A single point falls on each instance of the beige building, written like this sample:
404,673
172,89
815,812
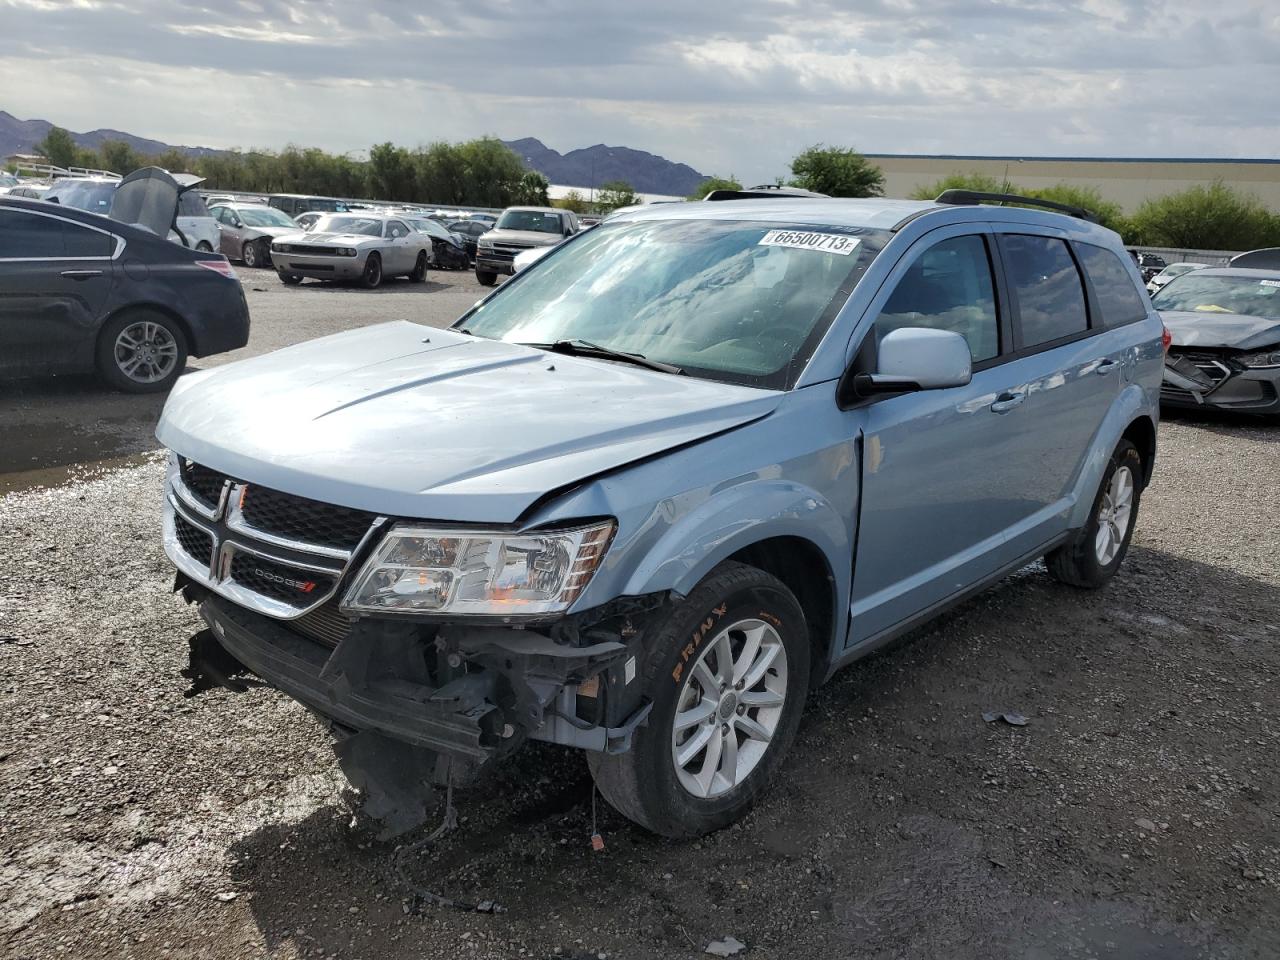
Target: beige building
1126,181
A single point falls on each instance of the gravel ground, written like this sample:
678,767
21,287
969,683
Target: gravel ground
1135,816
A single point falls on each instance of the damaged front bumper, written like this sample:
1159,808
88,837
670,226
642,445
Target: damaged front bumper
473,693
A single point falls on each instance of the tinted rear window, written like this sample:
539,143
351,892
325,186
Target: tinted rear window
190,205
30,236
1047,285
1118,296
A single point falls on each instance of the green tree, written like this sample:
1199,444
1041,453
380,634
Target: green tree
119,157
442,173
1109,214
391,173
615,194
714,183
837,172
978,182
575,201
175,161
1212,217
58,148
532,189
493,172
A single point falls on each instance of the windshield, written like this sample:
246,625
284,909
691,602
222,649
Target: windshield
94,196
738,301
367,226
264,217
8,181
530,220
1251,296
429,226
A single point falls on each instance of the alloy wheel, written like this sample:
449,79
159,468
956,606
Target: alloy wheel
729,708
1114,515
145,352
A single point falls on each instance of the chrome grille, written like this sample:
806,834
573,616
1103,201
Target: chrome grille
269,551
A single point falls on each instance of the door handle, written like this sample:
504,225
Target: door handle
1007,401
81,274
1106,366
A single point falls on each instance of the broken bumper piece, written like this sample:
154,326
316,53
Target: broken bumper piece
503,686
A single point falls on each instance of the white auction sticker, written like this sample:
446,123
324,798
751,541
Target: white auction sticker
1270,283
805,240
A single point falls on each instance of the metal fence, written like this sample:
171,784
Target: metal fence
1214,258
248,196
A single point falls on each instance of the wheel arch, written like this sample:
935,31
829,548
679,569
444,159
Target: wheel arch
1141,432
1130,416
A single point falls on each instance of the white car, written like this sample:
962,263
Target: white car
1169,272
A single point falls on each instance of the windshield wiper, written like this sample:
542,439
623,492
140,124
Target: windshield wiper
585,348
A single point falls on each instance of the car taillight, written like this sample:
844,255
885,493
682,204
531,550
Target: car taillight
1166,338
221,265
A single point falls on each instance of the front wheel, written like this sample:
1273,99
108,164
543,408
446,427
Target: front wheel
728,677
485,278
290,279
372,276
251,254
1093,556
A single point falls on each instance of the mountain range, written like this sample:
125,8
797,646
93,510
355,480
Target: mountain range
592,166
21,136
586,168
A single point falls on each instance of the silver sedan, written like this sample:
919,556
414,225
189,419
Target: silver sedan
246,230
364,246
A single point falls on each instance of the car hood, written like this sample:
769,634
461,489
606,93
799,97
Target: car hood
1232,330
532,238
276,231
406,420
344,239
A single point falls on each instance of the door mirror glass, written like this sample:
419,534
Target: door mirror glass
917,358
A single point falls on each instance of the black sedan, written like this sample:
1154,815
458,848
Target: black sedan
470,231
80,291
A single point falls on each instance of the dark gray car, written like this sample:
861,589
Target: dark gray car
1225,351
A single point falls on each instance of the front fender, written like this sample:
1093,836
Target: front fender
1131,404
734,517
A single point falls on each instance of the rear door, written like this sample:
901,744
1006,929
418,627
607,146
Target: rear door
1069,373
55,277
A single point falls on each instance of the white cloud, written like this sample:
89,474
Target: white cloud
729,86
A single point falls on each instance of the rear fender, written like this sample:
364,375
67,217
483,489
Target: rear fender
1128,407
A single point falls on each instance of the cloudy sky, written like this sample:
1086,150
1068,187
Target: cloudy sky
729,86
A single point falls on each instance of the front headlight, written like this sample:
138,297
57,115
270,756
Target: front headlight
348,251
280,247
423,570
486,245
1263,360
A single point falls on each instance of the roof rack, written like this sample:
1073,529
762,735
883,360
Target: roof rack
973,197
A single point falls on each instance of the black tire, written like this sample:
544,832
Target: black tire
485,278
372,276
644,784
419,269
252,254
290,279
204,247
1078,562
167,340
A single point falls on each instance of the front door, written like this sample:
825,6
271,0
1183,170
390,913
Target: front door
56,274
941,470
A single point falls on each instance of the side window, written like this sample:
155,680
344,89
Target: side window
28,236
83,242
948,287
396,230
1117,294
1047,286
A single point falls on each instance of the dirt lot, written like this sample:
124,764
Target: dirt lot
1135,816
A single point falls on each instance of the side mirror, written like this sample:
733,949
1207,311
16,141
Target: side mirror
917,358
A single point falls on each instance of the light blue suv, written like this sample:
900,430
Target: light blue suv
652,491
